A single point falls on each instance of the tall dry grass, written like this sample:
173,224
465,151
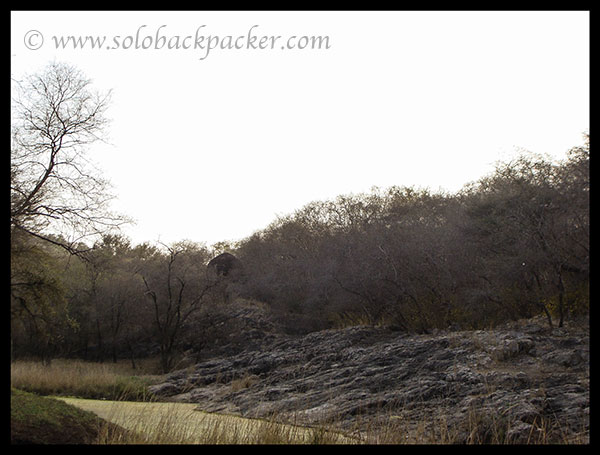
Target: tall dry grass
182,423
83,379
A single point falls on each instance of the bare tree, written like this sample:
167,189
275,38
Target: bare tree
176,284
56,193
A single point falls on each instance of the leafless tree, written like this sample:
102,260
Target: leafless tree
57,194
176,284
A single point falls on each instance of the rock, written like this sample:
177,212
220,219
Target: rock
357,375
511,348
165,389
521,433
568,358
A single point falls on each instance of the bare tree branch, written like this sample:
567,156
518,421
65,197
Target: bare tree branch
55,188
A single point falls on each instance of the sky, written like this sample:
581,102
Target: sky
222,121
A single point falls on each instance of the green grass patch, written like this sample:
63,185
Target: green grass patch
41,420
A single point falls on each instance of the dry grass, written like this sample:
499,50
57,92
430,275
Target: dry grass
478,429
83,379
181,423
244,382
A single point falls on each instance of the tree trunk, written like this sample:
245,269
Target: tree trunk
131,354
100,345
561,298
548,316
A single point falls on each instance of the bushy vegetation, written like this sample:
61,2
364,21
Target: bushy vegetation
511,245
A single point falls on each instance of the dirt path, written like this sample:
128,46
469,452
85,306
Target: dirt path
181,422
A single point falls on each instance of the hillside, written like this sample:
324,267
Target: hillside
522,382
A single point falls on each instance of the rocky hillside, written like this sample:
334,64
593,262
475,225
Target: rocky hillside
523,382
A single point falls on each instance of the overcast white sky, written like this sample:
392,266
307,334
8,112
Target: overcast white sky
211,149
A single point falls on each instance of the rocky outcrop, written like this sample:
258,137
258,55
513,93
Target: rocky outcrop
226,265
525,380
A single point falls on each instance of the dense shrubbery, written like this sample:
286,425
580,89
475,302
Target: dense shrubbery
511,245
